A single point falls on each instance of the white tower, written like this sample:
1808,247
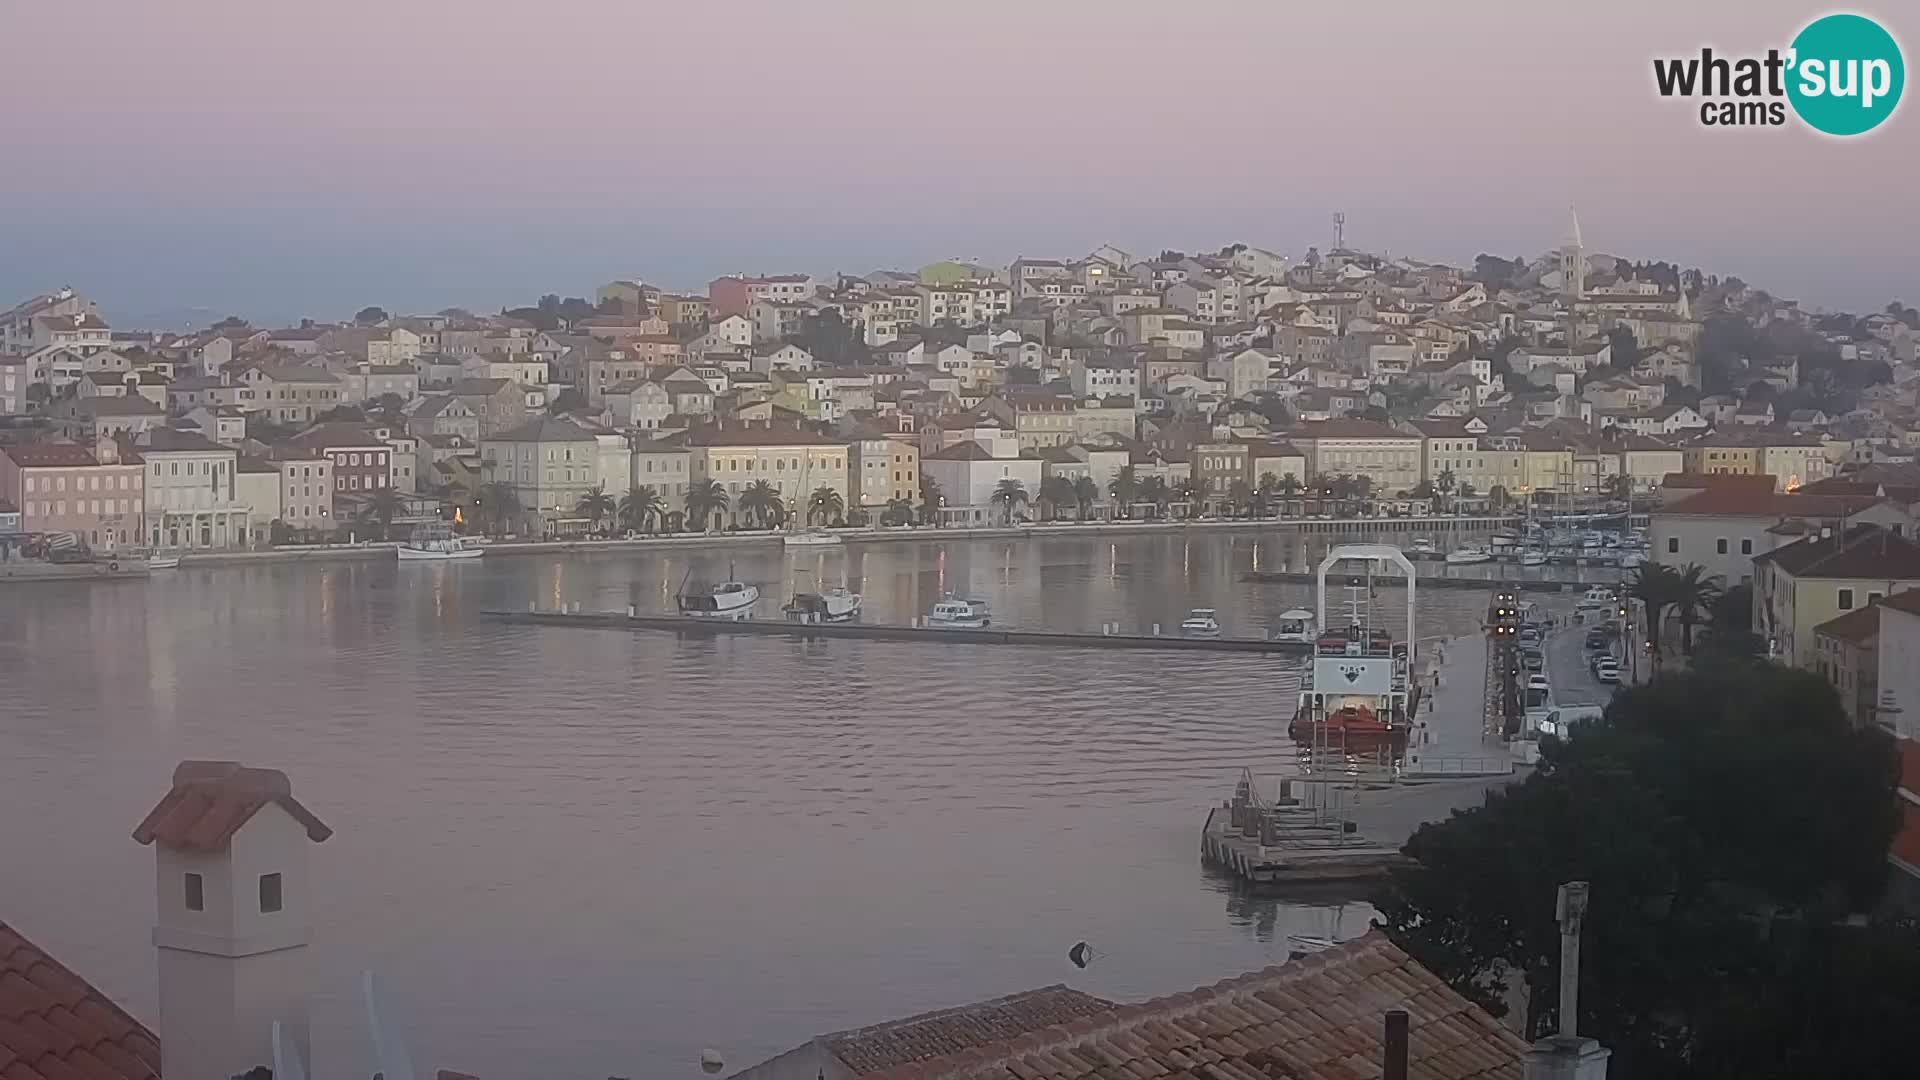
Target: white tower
230,859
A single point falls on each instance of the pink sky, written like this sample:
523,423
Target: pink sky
675,140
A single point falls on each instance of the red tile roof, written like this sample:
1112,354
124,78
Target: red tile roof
1857,627
951,1031
54,1024
211,800
1753,502
1319,1018
1868,552
51,455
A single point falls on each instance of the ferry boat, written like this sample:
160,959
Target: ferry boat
810,538
731,599
1296,626
1469,553
1200,623
833,605
1358,689
955,613
436,543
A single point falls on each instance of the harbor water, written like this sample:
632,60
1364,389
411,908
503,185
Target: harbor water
575,853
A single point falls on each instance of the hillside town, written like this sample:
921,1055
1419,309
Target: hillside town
1114,385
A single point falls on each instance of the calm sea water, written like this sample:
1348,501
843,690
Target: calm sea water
578,853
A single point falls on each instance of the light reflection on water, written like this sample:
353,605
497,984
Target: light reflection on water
584,853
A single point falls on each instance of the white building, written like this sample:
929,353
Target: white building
969,472
192,497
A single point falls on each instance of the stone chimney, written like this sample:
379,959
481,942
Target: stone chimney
230,861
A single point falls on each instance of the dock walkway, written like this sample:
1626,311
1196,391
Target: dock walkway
681,624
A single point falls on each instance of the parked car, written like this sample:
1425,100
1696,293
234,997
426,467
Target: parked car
1607,671
1532,660
1597,640
1538,681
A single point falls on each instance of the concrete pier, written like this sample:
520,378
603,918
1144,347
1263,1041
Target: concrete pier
680,624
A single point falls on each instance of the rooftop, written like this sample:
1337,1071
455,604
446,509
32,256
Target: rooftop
211,800
950,1031
1858,627
1318,1018
1758,501
53,1023
1867,552
50,455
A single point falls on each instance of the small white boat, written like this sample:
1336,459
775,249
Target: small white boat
1424,546
1504,543
1295,626
163,562
1533,558
1597,597
727,600
1631,559
1200,623
436,543
1469,553
810,538
954,613
833,605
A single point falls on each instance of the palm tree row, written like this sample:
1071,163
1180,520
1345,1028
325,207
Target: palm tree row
1688,591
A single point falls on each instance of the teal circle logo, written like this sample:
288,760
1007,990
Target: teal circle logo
1846,74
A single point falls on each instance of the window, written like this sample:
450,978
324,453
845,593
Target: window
1720,546
1846,599
196,893
1673,545
1746,545
269,893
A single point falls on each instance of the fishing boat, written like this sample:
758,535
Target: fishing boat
1357,690
810,538
832,605
1469,553
955,613
1296,626
436,543
730,599
1200,623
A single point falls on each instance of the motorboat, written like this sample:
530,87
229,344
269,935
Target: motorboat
1295,626
1597,597
954,613
1424,546
1469,553
163,562
437,543
810,538
832,605
1533,558
1200,623
1502,544
1631,559
731,599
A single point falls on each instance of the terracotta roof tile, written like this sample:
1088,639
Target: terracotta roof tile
1864,551
1315,1019
211,800
54,1025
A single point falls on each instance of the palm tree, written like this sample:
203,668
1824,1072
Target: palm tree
1085,493
931,499
1267,490
500,503
1009,495
596,504
1466,490
1655,585
1362,487
1240,496
705,498
1619,487
1155,493
826,504
1055,492
1694,595
1124,490
1446,484
1290,488
640,506
384,505
761,501
898,512
1189,492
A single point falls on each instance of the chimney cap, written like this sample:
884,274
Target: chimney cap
211,800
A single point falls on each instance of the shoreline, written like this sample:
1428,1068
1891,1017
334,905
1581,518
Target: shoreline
331,553
896,534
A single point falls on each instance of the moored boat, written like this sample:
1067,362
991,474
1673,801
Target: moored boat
956,613
1533,558
436,543
1469,553
163,562
810,538
1200,623
832,605
731,599
1296,626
